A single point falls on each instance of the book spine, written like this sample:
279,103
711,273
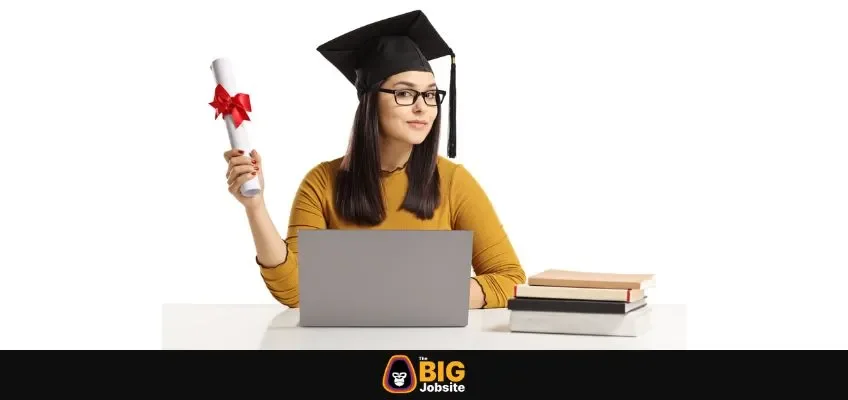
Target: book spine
584,284
581,324
579,306
553,292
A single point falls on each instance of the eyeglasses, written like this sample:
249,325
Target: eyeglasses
408,97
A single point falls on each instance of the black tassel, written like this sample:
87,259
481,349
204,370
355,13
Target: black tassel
452,128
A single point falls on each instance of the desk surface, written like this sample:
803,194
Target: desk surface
273,327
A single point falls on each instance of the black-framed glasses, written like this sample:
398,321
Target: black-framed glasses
408,97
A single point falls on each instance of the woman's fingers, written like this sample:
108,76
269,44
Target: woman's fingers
239,155
235,184
241,168
235,161
232,153
240,160
238,171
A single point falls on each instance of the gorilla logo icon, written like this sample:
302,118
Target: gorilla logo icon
399,376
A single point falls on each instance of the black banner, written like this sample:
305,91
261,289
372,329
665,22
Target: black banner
385,374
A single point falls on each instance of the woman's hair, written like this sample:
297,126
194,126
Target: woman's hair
358,189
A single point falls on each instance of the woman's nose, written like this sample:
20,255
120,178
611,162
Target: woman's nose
418,106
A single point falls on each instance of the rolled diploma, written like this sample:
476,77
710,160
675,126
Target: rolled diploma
223,71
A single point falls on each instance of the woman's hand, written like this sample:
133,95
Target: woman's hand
240,169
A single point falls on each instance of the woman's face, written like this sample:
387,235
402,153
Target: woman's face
404,122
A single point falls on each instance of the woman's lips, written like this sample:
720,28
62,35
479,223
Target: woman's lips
417,124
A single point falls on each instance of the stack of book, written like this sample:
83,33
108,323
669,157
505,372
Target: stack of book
583,303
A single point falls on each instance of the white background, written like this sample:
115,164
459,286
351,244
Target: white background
704,141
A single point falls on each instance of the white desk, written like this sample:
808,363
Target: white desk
273,327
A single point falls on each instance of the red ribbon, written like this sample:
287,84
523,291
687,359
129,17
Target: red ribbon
236,106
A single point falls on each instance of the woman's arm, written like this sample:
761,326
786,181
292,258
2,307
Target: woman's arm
476,299
277,257
495,263
270,250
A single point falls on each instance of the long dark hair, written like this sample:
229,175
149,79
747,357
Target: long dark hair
358,189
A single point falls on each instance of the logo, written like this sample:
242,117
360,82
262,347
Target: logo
402,375
399,376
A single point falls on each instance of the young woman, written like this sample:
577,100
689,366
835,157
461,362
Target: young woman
391,176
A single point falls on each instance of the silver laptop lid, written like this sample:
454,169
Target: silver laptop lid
384,277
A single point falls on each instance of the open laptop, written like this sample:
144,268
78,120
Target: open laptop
384,278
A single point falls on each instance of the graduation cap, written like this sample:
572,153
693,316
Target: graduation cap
406,42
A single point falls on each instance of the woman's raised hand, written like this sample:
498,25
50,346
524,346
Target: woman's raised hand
240,169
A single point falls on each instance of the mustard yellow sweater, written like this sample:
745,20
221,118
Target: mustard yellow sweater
464,206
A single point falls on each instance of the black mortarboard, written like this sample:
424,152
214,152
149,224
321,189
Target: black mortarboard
372,53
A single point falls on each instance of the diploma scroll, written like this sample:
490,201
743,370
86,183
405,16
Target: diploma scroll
233,106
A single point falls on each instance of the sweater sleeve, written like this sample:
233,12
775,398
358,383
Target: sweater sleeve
495,263
307,212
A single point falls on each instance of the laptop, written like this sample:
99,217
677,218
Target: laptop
384,278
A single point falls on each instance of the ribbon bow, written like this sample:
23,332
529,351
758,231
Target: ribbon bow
236,106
